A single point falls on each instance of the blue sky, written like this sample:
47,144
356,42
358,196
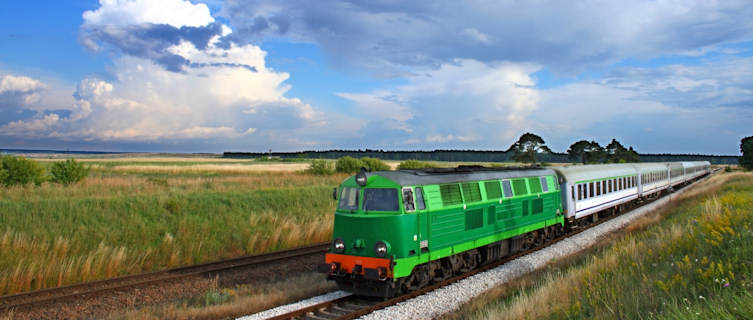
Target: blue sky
194,76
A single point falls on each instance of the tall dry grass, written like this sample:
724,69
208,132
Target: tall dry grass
116,223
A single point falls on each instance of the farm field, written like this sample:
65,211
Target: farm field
688,261
134,215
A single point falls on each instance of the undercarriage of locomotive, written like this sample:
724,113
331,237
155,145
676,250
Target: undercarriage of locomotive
442,269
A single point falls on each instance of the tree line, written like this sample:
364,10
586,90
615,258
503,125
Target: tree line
528,148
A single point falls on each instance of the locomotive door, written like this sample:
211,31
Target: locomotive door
422,222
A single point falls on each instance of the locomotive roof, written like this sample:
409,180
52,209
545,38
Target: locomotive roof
440,176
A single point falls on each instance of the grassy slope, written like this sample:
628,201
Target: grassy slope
694,264
118,223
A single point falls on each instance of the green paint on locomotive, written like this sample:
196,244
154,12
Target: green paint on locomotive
446,226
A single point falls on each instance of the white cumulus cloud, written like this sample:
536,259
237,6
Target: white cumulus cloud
177,13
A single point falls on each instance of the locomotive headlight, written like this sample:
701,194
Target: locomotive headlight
381,248
361,178
338,245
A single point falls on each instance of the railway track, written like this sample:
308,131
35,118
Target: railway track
102,287
351,306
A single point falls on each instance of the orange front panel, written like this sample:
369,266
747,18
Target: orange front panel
348,262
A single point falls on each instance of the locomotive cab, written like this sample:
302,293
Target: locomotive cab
372,219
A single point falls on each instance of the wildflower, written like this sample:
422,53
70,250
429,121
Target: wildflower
726,285
701,297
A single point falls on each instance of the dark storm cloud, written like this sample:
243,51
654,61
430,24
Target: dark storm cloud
151,41
565,36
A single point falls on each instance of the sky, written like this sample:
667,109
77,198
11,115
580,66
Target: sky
214,76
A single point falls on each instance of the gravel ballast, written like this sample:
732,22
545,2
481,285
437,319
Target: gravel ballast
443,300
295,306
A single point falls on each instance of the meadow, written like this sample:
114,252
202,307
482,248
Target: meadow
691,260
135,215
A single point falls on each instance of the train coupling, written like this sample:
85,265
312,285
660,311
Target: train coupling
328,268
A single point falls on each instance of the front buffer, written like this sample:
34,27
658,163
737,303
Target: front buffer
364,276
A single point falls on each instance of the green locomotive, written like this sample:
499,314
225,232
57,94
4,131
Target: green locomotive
397,231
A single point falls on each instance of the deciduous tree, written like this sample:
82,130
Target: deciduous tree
527,147
746,147
586,152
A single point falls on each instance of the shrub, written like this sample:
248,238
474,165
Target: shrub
415,164
348,165
19,170
320,167
69,172
374,164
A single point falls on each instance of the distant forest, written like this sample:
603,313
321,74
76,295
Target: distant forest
465,156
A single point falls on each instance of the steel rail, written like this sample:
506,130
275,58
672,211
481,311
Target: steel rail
98,287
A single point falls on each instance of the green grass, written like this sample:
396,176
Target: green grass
117,223
692,261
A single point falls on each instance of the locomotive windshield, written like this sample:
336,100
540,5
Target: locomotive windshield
349,199
380,200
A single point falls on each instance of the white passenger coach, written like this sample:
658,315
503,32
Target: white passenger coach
589,189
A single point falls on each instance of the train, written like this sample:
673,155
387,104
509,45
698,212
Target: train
398,231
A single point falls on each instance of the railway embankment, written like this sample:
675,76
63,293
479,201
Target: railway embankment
688,260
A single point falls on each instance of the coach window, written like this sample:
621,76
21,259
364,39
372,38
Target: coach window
572,192
590,189
598,188
609,185
580,192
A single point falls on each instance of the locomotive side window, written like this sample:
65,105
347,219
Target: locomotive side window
544,185
420,198
380,199
348,199
507,188
408,202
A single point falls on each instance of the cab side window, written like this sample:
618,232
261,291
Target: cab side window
420,198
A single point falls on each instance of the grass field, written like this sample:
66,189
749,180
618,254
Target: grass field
689,261
142,214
